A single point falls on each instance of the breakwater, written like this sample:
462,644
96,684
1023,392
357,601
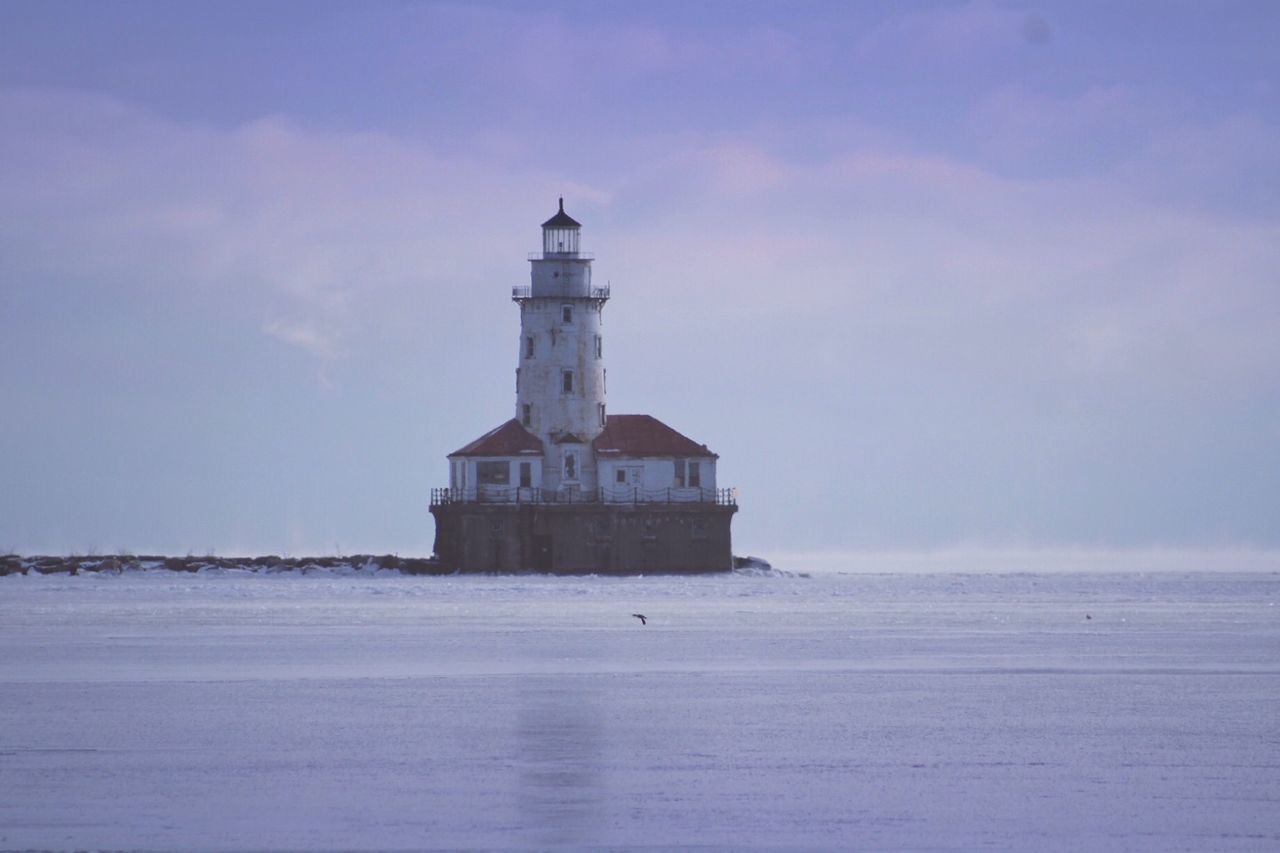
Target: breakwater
13,564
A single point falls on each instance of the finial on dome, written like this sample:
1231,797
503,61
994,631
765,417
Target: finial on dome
562,219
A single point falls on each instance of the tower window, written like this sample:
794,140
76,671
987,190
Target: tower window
517,380
566,313
528,347
602,415
567,378
599,346
526,414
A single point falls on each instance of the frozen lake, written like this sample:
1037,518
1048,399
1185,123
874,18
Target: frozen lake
1067,711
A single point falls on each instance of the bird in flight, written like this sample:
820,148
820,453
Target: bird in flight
640,616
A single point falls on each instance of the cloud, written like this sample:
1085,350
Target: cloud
1076,133
326,235
303,226
1036,29
547,59
305,335
946,35
1230,167
930,271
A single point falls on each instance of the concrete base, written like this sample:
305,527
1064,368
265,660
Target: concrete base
584,538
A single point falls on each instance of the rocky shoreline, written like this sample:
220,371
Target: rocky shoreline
13,564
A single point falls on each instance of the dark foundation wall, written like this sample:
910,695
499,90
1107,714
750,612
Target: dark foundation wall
581,539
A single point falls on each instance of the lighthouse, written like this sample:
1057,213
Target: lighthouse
565,486
560,378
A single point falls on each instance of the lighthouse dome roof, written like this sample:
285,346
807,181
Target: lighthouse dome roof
562,219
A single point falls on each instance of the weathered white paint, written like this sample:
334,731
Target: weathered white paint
651,476
560,390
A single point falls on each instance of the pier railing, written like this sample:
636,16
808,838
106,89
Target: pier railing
614,495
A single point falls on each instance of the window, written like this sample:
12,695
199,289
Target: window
528,347
620,476
600,406
567,382
526,414
526,475
599,346
566,313
493,473
688,473
517,380
571,465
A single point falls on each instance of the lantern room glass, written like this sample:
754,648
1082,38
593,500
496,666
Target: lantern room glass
560,241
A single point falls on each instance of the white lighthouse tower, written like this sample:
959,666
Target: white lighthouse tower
560,379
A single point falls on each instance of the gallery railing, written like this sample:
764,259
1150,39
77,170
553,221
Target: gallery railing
497,494
521,292
562,256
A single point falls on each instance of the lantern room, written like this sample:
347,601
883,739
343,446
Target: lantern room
560,234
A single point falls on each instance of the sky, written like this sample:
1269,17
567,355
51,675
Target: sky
926,275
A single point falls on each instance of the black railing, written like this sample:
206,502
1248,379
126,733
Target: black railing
562,256
573,495
524,291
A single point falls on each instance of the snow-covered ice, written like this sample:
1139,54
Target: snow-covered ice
1067,711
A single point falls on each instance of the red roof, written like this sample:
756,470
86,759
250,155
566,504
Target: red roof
644,435
510,439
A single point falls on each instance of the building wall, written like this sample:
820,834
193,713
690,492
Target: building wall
655,473
600,539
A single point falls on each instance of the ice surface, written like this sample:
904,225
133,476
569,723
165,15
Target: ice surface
1016,711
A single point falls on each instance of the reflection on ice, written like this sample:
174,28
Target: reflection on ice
560,752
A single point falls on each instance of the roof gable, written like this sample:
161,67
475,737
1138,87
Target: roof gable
645,435
510,439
